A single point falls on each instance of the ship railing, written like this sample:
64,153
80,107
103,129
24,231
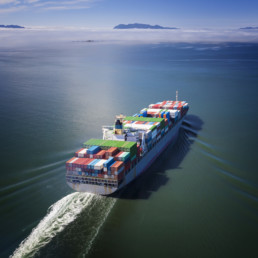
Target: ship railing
109,127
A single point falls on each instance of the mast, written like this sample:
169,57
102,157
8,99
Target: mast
177,95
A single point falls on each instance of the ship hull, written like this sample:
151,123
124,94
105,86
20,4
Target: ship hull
145,162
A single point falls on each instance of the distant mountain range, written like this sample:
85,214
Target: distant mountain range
142,26
12,26
249,28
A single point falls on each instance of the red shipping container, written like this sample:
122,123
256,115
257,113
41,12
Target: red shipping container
116,166
101,154
117,155
180,109
70,160
156,106
85,163
77,152
111,152
79,162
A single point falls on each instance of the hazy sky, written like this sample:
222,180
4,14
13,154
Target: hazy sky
108,13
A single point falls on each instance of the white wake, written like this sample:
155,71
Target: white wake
59,216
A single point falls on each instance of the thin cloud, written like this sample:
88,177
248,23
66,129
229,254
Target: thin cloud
8,6
4,2
31,1
7,1
65,7
13,9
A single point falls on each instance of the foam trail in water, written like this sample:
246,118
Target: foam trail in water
59,216
103,216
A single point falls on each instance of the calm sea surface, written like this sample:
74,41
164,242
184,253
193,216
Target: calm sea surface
199,199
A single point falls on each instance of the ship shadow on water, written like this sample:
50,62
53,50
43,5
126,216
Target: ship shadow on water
155,177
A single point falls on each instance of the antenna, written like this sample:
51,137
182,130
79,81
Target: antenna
177,95
120,117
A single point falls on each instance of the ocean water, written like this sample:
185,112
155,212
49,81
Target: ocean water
199,199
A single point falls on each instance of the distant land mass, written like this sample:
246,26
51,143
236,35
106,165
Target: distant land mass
87,41
142,26
249,28
12,26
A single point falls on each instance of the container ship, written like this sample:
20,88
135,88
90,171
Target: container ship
128,148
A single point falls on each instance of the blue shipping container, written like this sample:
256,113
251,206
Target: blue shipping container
111,164
93,150
93,163
108,162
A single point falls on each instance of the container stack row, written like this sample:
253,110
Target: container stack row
102,168
126,146
150,129
169,114
112,159
181,106
104,161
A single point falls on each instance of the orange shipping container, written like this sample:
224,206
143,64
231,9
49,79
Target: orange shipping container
116,166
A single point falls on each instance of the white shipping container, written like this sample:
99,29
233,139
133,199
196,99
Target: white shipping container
81,153
154,110
144,127
173,113
99,165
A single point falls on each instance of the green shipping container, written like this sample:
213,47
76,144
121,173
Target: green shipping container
106,144
92,142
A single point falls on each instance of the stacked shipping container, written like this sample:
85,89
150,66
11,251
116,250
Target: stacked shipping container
181,106
112,159
97,162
